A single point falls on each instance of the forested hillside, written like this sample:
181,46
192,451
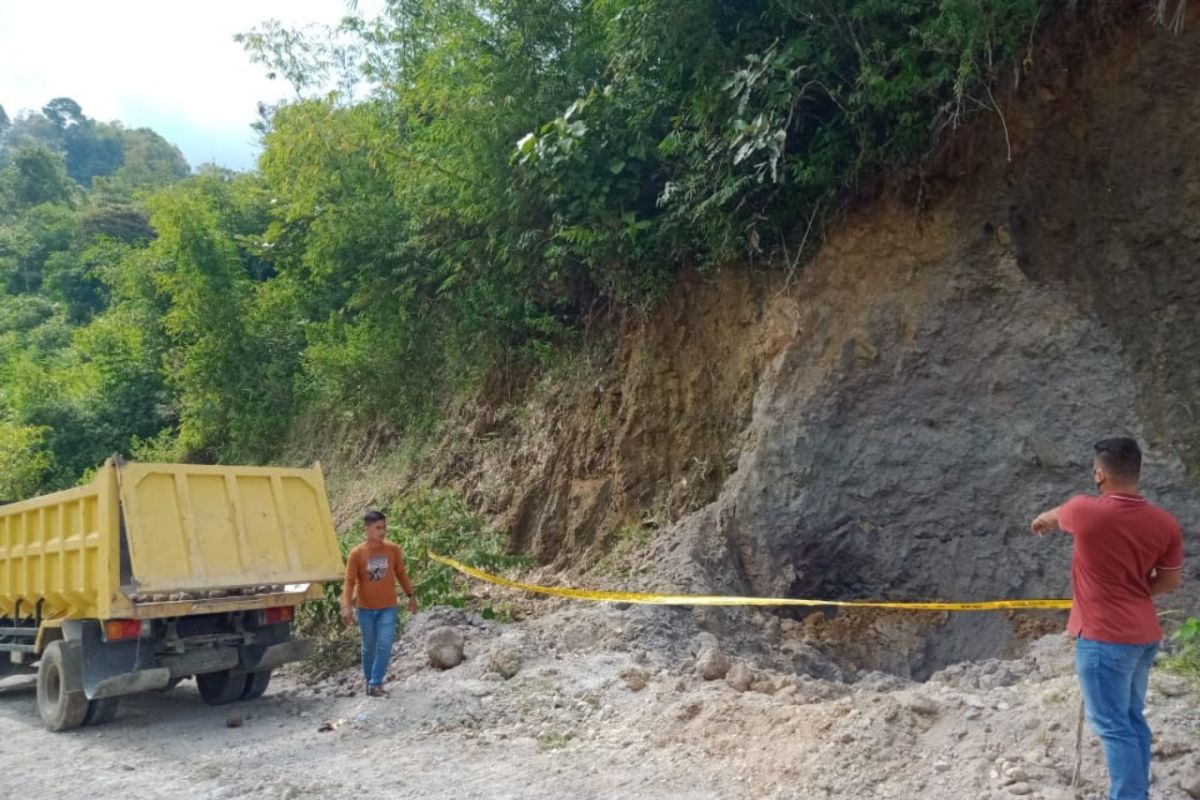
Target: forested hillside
486,179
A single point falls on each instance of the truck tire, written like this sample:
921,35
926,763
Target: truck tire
102,712
221,688
60,710
256,684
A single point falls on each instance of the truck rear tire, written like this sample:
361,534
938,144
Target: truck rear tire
102,712
221,688
256,684
60,710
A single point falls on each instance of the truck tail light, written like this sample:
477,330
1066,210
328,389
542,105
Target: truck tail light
116,630
279,614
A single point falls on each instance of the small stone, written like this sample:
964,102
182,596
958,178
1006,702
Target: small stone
924,706
739,677
444,647
1172,748
505,660
1015,775
941,766
234,720
1020,789
712,664
1189,781
1169,685
635,678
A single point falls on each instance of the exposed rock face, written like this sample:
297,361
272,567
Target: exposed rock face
947,374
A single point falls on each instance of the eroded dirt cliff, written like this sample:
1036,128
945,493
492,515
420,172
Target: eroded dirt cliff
885,422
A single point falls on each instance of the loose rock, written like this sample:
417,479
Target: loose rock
740,677
444,647
635,678
712,664
1169,685
505,660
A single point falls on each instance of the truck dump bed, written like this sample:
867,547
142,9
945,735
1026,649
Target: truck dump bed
149,540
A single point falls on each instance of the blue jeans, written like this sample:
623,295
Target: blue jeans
1113,678
378,626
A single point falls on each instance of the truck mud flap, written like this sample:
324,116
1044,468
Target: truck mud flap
256,658
111,669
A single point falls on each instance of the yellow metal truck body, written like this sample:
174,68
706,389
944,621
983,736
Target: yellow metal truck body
207,560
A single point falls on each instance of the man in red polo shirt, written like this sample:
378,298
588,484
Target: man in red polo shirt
1127,551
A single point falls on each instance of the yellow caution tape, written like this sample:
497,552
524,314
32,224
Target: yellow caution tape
645,598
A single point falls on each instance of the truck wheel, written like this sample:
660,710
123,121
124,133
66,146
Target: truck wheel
101,712
60,710
221,688
256,684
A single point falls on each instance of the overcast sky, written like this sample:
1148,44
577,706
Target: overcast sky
167,65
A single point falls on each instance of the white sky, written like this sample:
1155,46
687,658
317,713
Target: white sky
164,64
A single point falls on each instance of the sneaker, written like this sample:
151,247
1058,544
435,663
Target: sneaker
376,691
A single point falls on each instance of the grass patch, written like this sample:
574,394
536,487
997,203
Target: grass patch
1185,658
553,740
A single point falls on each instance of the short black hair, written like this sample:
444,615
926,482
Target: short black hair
1121,456
373,516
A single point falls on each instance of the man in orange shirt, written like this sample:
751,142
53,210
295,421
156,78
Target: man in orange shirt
371,574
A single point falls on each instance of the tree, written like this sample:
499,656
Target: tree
37,176
63,113
148,161
24,461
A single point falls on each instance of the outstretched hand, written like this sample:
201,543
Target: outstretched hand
1043,524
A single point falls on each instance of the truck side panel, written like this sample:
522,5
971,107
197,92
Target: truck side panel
193,527
60,549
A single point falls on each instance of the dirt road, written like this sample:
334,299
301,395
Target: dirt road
174,747
580,719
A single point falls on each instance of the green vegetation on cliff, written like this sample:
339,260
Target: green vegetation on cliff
488,175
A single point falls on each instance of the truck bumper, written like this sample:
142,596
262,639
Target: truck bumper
146,680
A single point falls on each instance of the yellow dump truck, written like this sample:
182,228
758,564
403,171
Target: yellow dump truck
153,573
